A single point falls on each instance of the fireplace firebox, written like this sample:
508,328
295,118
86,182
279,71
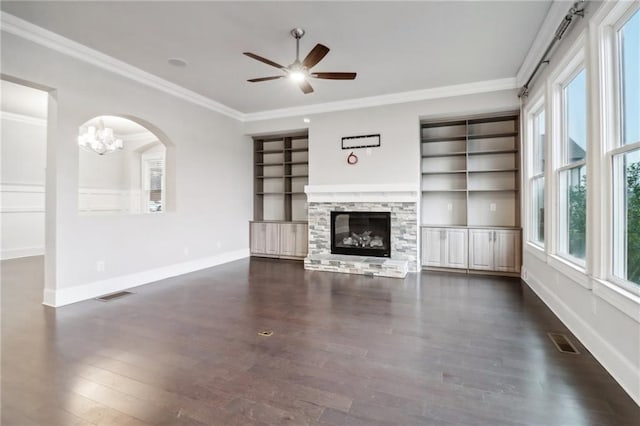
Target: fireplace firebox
361,233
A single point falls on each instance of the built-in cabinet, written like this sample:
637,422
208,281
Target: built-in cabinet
494,250
444,247
278,239
470,193
473,249
280,172
293,239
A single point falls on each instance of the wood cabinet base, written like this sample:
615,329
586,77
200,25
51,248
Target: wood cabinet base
279,240
472,272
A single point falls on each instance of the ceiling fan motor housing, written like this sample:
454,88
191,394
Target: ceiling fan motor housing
297,33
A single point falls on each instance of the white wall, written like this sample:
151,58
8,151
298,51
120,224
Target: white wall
208,222
24,148
605,317
397,160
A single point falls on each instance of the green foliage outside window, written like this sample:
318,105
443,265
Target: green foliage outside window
577,224
633,222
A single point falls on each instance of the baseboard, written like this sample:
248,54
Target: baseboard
65,296
21,252
622,370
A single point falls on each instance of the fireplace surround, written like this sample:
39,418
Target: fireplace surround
397,200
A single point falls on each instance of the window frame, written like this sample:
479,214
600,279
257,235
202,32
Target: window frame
561,165
145,170
537,107
611,49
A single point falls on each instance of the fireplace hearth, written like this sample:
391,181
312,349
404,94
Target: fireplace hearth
361,233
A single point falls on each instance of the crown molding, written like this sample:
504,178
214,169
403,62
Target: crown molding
21,118
394,98
28,31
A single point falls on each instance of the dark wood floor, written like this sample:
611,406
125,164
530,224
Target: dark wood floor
434,349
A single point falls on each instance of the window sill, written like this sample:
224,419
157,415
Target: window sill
620,298
572,271
536,251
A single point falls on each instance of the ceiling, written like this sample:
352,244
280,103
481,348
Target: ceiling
393,46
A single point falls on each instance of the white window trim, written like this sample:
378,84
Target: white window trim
144,159
607,23
565,73
536,106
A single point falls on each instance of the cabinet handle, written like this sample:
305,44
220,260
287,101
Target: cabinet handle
490,236
494,235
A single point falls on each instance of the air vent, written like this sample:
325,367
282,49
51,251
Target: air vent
562,343
113,296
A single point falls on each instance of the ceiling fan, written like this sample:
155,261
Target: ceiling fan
298,71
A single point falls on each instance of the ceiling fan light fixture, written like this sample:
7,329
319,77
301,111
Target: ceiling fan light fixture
297,76
298,71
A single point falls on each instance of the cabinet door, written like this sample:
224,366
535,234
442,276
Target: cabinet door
456,252
481,249
272,243
288,239
257,231
507,251
302,240
432,246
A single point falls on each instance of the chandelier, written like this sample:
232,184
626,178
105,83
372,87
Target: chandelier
100,140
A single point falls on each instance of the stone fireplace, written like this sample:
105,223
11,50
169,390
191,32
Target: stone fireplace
349,204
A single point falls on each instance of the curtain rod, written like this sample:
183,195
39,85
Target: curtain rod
576,10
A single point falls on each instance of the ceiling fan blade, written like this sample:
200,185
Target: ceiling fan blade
334,75
316,55
256,80
264,60
305,87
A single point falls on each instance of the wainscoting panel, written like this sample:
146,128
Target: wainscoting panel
22,216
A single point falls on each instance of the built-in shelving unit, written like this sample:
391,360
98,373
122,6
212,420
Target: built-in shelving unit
281,171
470,172
470,179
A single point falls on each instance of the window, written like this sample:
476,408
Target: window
153,182
629,42
626,156
537,179
572,171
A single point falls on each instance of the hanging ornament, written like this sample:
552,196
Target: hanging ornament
352,159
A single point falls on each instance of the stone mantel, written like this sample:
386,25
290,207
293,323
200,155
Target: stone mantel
363,193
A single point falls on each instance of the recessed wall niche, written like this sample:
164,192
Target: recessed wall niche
122,168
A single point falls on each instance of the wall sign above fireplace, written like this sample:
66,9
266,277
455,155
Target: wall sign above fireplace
364,141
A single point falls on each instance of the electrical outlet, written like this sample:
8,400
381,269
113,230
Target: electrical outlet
100,266
492,207
450,207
